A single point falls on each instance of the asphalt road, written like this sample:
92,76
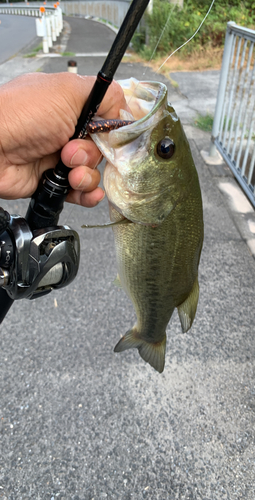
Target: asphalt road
79,422
15,33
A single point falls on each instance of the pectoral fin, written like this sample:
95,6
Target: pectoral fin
108,224
187,310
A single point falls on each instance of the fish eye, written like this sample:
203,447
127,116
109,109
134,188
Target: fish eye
165,148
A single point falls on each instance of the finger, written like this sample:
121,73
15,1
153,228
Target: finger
84,178
113,100
81,152
85,199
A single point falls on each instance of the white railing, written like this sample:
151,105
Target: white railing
25,10
233,132
49,20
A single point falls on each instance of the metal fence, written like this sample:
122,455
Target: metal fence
233,131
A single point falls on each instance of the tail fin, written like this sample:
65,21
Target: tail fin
154,354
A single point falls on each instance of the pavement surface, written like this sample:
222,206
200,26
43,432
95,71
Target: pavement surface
79,422
15,32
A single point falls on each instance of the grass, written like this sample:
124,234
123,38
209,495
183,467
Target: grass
204,122
34,51
201,60
69,54
184,24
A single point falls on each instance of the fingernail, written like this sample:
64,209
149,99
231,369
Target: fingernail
103,195
101,199
79,158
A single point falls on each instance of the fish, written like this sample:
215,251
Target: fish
156,214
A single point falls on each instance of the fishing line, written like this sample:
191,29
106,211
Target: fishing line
162,33
187,41
176,50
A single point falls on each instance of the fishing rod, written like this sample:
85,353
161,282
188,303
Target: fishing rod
36,255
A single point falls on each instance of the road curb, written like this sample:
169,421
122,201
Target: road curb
241,210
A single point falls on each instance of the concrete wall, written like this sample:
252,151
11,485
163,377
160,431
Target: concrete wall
113,11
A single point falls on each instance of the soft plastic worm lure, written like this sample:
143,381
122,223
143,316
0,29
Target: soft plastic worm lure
106,125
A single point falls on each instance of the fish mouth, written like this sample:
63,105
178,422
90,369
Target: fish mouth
146,100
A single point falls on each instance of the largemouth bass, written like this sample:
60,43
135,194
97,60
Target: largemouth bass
155,200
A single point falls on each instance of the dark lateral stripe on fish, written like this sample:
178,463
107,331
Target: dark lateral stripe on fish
106,125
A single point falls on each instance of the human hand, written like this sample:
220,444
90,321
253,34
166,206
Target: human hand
38,115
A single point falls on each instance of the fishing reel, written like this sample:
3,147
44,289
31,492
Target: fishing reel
33,263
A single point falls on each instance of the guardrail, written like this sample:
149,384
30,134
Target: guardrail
49,21
25,10
233,132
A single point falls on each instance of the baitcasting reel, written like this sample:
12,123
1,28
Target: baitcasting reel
34,263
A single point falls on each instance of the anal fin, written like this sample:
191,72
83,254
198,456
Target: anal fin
117,282
187,310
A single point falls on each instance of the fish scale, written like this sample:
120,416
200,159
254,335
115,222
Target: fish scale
158,251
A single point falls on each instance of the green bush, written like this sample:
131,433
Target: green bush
184,22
